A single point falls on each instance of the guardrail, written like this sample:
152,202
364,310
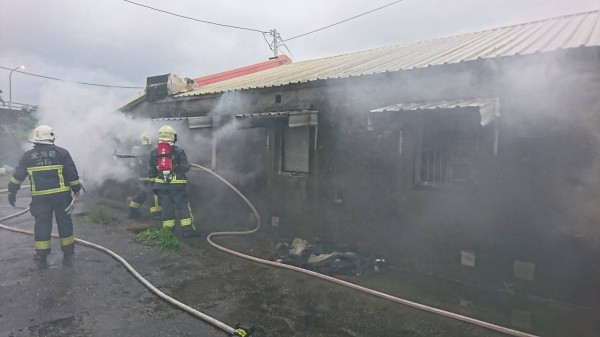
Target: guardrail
19,106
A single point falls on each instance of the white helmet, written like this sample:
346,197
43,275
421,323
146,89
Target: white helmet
43,134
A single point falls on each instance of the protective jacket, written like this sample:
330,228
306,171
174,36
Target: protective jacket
172,194
180,166
145,183
141,163
50,169
53,175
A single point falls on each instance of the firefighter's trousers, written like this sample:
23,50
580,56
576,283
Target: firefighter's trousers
43,208
175,204
144,189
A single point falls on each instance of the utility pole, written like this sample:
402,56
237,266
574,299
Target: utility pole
10,85
275,42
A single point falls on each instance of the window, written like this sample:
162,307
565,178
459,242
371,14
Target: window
295,149
447,153
292,133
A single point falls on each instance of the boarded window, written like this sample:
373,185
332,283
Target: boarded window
295,149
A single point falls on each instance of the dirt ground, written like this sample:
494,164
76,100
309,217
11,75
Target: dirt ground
97,296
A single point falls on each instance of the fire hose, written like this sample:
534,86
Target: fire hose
244,332
369,291
237,331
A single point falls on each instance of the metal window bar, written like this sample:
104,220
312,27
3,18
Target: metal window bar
434,165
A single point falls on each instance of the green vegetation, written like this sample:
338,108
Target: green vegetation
25,125
164,237
101,215
13,135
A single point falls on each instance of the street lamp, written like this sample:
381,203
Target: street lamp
10,86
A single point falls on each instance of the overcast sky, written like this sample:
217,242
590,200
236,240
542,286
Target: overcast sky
118,43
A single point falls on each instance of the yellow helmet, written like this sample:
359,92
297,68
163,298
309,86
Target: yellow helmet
43,134
145,138
166,133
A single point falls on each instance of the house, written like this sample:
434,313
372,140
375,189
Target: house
472,157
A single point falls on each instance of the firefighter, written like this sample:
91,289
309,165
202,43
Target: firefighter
142,155
170,183
53,176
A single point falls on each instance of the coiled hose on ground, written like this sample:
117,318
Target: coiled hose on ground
231,330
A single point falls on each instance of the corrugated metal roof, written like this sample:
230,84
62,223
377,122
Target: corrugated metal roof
489,108
570,31
133,100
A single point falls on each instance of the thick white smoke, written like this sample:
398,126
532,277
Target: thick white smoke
229,139
88,124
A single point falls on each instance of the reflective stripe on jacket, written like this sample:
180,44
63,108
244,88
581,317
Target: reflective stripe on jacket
50,170
180,167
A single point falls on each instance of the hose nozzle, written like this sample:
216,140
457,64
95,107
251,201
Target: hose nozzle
243,330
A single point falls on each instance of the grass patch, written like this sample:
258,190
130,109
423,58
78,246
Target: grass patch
101,215
164,238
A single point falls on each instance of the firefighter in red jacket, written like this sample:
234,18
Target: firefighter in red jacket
53,176
144,188
170,183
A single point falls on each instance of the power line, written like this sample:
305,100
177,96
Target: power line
76,82
263,32
207,22
337,23
194,19
276,39
198,20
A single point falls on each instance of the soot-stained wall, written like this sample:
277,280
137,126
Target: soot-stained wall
533,200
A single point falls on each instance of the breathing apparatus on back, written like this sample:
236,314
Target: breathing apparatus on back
166,137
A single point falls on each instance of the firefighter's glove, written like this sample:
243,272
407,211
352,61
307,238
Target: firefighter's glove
12,199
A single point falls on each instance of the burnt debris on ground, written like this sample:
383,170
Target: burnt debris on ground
328,258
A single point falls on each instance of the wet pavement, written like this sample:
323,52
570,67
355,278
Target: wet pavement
96,296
